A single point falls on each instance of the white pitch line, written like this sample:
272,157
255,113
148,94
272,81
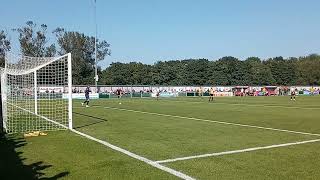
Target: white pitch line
128,153
212,121
270,106
135,156
237,151
250,105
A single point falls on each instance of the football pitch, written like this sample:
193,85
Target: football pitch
174,138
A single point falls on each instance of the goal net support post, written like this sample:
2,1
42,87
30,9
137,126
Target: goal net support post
2,129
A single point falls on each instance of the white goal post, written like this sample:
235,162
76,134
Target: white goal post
36,93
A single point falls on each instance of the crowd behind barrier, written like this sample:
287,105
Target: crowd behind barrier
193,91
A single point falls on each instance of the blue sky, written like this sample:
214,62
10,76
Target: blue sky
152,30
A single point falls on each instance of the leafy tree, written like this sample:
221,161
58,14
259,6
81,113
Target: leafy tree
197,72
228,71
127,74
308,70
169,73
217,73
283,71
4,47
82,49
259,74
33,40
139,73
116,74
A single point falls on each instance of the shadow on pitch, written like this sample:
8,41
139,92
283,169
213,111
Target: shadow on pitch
101,120
12,166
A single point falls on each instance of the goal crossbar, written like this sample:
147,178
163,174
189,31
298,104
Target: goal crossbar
13,72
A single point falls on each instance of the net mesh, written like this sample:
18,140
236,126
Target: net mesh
35,93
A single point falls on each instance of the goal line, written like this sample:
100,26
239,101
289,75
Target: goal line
43,117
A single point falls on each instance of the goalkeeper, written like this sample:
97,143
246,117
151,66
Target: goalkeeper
87,91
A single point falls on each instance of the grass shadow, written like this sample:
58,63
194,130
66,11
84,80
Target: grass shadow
12,166
101,120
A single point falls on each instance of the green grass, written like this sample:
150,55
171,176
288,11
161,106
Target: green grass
296,162
160,136
68,156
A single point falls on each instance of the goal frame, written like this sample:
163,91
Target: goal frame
4,86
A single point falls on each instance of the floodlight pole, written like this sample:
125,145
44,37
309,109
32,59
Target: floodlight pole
95,47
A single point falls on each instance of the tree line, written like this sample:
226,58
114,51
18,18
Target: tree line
226,71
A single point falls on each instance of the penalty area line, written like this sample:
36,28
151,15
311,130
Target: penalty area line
135,156
236,151
212,121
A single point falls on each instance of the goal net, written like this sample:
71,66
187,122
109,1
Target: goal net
36,93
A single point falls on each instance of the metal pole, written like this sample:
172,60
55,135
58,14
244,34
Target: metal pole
95,46
1,114
69,91
35,93
4,99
